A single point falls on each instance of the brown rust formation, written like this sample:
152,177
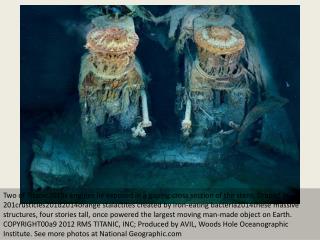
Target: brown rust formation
217,86
108,90
217,66
202,82
110,77
219,50
112,50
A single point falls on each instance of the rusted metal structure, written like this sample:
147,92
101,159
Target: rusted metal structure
111,80
216,87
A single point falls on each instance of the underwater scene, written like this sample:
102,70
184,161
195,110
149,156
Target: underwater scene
160,104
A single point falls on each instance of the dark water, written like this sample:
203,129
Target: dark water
51,47
283,52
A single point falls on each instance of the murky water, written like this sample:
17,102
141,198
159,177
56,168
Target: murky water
50,59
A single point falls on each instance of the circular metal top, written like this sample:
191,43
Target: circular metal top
112,40
220,40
